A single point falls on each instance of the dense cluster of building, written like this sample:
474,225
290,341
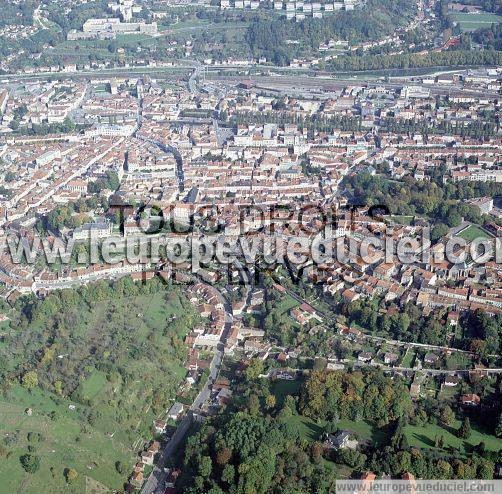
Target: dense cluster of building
163,155
293,9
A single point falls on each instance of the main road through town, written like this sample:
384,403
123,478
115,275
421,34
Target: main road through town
156,482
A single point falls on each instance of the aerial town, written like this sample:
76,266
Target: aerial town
249,275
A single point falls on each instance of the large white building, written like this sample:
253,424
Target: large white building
101,229
110,130
124,8
109,28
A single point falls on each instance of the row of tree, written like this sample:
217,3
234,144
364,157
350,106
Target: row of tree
455,58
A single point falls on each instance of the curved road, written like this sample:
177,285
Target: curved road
156,481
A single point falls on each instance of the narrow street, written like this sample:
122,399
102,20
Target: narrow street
156,481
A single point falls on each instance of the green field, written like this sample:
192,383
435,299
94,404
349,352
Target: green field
471,22
66,443
424,437
448,392
282,305
458,360
91,386
402,219
472,232
120,364
313,431
282,388
188,24
286,304
409,358
82,48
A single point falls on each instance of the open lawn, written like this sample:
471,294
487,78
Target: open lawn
402,219
65,442
94,487
409,358
286,304
282,388
93,385
146,314
313,431
363,430
471,22
472,232
189,24
120,365
307,428
424,437
341,471
448,392
458,360
82,48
